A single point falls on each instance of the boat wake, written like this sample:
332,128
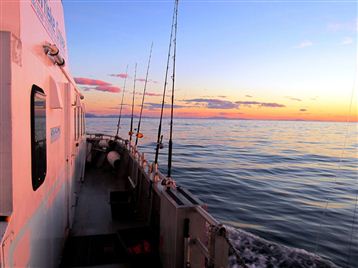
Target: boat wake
256,252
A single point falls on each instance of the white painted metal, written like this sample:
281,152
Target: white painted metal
34,234
113,158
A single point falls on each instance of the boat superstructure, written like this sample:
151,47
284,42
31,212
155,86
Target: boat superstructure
42,137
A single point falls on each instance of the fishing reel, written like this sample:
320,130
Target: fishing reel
160,144
138,134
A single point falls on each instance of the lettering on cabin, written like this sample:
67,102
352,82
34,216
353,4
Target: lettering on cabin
49,22
55,133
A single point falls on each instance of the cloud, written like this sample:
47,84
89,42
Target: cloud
304,44
87,84
214,103
248,96
261,104
110,88
293,99
347,41
272,105
152,94
248,103
303,110
119,75
149,80
153,106
90,82
118,106
85,88
348,26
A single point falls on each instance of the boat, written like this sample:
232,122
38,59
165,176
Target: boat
73,199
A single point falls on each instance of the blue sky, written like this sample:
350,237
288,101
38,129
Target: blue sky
266,49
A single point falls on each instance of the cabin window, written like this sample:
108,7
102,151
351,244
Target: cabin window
38,136
75,127
78,122
83,123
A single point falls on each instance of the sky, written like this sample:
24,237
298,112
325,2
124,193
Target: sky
276,60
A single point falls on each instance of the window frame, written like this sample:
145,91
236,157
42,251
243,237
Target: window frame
36,178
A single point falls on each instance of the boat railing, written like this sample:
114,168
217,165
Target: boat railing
207,237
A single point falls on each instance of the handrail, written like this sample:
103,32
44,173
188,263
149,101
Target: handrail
217,232
210,219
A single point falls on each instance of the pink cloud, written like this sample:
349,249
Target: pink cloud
149,80
109,88
152,94
119,75
90,82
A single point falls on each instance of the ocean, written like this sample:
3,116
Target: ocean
287,189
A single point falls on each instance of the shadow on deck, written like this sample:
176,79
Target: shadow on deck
109,236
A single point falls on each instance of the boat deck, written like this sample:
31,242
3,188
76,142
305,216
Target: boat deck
93,212
98,239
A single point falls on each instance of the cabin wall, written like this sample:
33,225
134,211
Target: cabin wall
10,14
39,219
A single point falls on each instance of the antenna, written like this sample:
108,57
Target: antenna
134,80
140,135
120,111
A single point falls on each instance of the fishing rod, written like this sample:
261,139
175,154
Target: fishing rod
140,135
131,126
160,136
170,149
120,111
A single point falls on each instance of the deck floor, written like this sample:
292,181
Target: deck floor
94,234
93,211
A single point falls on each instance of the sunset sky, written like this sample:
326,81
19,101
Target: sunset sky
290,60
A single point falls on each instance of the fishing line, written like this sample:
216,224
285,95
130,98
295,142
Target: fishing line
170,149
120,111
356,201
131,125
160,137
324,213
140,135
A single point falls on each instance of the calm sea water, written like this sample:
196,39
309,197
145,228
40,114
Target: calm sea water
290,183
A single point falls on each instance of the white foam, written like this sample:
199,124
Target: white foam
256,252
